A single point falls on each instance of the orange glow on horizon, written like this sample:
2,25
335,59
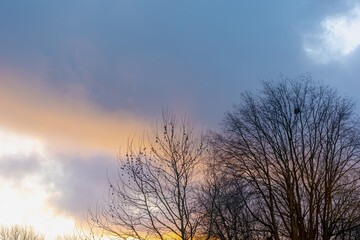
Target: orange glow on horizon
69,121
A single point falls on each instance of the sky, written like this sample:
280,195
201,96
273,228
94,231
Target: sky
80,77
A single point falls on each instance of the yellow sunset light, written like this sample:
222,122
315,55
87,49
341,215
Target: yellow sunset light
24,199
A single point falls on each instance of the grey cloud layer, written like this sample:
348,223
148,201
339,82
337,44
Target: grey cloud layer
136,57
141,56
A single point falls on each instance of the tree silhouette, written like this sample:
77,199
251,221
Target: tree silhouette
224,201
296,145
155,195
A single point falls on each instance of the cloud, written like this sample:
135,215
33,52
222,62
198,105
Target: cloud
63,120
15,167
49,191
82,183
339,37
26,204
25,190
56,147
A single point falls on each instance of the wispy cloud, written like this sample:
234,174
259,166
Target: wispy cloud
339,37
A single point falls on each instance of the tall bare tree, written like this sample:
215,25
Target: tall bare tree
155,196
296,144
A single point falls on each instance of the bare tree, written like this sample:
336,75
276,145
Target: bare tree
223,202
296,145
156,192
17,232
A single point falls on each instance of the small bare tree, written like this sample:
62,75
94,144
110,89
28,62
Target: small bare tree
296,144
74,236
155,196
18,232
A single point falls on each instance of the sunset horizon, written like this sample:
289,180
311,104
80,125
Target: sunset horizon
86,83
